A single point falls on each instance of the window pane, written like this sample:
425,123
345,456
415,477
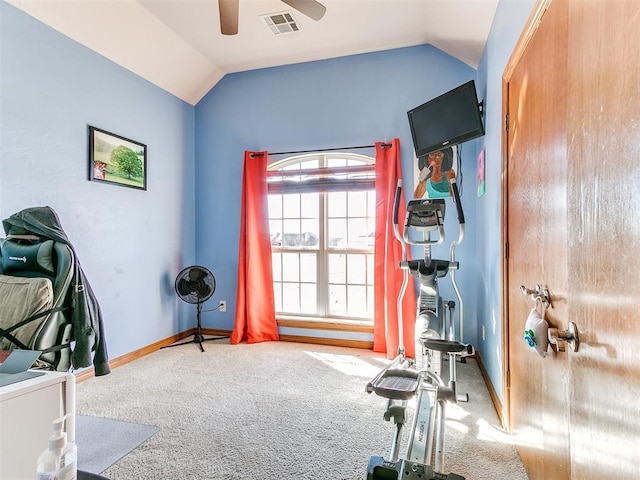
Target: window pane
290,267
357,296
310,163
357,203
276,262
291,236
275,226
291,205
337,300
359,234
275,231
274,206
277,295
337,204
309,300
370,275
309,205
291,297
356,269
337,232
336,162
308,267
337,269
356,161
370,302
310,233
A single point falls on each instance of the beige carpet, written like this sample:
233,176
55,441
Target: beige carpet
277,410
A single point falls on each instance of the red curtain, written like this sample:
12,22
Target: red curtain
255,306
387,257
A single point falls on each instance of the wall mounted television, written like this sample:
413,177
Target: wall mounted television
447,120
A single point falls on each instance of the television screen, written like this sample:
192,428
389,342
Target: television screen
449,119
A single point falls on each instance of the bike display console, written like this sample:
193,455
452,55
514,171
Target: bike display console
381,469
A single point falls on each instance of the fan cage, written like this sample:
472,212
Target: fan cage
195,284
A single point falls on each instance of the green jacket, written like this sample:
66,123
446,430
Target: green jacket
85,314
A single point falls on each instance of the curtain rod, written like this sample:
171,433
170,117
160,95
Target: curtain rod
384,145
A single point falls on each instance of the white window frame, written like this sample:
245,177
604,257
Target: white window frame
322,314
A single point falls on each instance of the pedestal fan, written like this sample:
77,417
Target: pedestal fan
196,285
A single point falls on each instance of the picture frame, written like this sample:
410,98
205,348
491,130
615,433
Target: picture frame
116,159
481,173
442,168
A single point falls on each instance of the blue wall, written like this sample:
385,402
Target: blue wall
510,19
348,101
131,243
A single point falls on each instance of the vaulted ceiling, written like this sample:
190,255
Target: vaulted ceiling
177,44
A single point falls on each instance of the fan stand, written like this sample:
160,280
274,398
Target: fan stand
197,336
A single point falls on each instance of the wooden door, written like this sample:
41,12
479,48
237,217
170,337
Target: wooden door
537,239
604,245
572,212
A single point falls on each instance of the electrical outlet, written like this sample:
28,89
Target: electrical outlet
223,305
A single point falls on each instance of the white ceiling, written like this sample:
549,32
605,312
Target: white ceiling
177,45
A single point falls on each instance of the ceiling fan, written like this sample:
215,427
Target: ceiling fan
229,12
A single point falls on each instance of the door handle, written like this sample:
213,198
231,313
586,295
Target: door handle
560,338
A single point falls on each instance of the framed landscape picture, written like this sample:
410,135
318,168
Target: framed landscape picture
116,159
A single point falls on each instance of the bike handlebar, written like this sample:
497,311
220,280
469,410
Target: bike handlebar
396,202
456,196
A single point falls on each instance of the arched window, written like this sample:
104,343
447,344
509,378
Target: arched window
322,227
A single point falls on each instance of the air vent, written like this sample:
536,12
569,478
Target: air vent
280,23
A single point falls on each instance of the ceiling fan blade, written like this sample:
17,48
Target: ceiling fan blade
310,8
228,16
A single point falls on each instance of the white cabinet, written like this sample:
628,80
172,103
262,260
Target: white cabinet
27,409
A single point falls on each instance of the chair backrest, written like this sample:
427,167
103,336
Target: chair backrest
29,257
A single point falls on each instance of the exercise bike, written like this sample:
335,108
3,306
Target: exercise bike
420,378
